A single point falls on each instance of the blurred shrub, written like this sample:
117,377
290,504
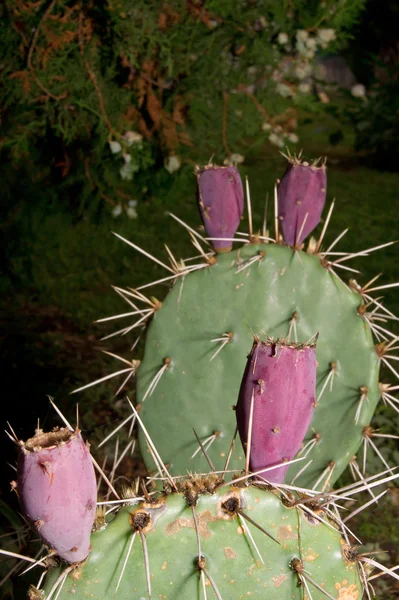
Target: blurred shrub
106,99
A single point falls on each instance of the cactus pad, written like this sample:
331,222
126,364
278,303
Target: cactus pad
183,548
282,292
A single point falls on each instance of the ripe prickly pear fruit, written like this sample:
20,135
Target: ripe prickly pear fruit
301,198
57,490
221,203
275,403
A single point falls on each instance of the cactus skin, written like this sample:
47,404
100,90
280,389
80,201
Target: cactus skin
302,190
57,491
221,203
197,392
279,384
231,559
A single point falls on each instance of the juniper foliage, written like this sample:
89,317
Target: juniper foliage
78,75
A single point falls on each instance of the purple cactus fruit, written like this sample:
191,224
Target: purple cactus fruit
279,383
301,198
57,491
221,203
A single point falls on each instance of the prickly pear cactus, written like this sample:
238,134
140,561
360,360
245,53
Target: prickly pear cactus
206,540
199,336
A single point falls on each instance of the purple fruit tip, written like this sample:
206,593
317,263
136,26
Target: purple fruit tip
57,491
275,404
221,203
301,198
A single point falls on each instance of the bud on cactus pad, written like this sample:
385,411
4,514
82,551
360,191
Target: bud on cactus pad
211,541
57,491
221,202
301,197
275,404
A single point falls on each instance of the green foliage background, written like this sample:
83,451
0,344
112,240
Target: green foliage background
78,74
59,179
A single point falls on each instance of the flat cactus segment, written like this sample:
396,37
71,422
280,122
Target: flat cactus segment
282,292
234,563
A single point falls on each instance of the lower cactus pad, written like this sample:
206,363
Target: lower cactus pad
188,546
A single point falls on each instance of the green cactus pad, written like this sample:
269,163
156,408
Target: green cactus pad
231,558
196,392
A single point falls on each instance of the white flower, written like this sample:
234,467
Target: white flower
172,164
117,210
282,38
358,90
325,36
132,203
293,138
302,35
127,171
303,70
276,140
284,90
311,43
304,88
234,158
131,212
263,21
127,158
115,147
266,126
132,137
301,47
